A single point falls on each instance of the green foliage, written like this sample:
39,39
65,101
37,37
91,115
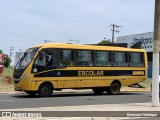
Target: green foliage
1,51
7,61
8,71
105,42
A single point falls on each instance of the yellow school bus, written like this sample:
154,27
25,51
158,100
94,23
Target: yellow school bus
48,67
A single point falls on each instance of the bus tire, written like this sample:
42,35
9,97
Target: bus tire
31,93
45,90
98,91
114,89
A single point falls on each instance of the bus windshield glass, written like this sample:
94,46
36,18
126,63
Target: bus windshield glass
26,58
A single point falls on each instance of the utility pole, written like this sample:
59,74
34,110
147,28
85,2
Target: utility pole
75,40
114,30
45,41
11,49
155,71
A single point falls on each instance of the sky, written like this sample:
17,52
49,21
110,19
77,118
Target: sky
25,23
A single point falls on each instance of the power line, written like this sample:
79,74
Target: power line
114,30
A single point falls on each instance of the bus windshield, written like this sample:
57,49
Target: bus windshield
26,58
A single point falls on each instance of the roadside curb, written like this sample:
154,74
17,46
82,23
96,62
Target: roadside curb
126,89
81,91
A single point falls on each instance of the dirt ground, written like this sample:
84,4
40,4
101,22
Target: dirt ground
6,84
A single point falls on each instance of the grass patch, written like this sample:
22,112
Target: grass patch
8,71
146,83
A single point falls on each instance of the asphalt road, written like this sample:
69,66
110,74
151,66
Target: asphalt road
12,101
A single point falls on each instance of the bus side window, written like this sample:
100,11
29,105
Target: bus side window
102,58
40,61
49,60
136,60
39,64
49,57
66,58
120,59
84,58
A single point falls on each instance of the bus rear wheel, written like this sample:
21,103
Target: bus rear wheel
45,90
114,89
98,91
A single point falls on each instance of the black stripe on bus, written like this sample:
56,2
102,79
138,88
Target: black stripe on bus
86,73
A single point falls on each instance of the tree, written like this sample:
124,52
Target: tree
105,42
1,51
7,60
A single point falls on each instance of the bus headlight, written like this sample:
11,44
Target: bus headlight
24,76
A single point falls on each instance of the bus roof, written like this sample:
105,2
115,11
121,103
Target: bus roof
87,47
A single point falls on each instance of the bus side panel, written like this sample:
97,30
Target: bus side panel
37,81
70,84
89,81
93,83
131,81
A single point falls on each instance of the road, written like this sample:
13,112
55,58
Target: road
12,101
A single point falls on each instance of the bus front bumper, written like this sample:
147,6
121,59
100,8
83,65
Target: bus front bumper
16,88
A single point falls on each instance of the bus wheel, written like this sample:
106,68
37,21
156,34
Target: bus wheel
114,89
98,91
45,90
31,93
